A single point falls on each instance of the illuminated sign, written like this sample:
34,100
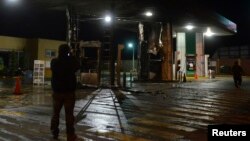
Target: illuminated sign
226,22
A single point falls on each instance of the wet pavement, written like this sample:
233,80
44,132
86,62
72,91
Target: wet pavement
147,111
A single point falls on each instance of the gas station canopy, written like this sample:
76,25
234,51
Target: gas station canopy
180,13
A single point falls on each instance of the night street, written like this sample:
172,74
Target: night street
124,70
147,111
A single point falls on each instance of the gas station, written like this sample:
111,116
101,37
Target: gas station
170,46
170,39
170,36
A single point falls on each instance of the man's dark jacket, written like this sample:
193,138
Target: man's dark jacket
63,74
237,70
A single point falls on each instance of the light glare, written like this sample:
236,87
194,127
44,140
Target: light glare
130,45
12,1
149,14
189,27
209,32
107,19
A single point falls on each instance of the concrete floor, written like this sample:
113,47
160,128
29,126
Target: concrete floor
147,111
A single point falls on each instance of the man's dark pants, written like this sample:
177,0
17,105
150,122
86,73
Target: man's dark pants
237,80
68,101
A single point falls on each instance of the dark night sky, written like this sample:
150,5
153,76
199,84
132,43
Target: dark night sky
237,11
24,22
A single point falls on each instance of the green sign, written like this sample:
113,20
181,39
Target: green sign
190,53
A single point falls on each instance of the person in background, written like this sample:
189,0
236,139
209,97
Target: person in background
63,84
19,72
237,74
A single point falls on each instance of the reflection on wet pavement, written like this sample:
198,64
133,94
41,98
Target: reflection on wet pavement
148,111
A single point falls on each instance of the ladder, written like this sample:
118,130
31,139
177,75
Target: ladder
107,59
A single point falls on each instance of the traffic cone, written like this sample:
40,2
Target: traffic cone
17,90
195,76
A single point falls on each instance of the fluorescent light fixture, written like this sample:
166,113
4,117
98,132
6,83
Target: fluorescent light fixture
149,14
208,32
189,27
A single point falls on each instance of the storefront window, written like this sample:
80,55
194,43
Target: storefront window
50,53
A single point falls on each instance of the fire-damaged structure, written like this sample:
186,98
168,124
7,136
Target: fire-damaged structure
170,39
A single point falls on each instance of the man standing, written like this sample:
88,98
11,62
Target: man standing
237,74
63,84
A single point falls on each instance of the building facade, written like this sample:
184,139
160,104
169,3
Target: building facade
25,51
226,56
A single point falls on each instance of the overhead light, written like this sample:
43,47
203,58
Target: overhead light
208,32
149,14
130,45
12,2
108,19
189,27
